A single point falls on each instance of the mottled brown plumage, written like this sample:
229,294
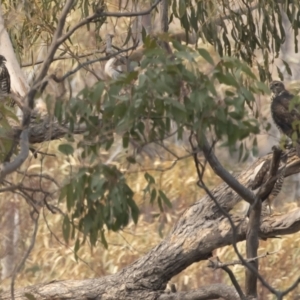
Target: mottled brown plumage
4,81
262,176
4,77
286,120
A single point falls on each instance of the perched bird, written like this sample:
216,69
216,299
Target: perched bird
262,176
111,68
287,121
4,80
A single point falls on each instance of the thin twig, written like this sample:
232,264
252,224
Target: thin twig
130,14
218,264
25,65
234,282
293,286
81,65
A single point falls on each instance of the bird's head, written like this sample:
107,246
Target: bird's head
277,87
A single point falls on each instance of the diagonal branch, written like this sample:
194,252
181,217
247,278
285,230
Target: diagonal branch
9,167
245,193
55,41
218,264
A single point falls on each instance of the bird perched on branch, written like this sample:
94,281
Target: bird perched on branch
263,175
287,121
4,80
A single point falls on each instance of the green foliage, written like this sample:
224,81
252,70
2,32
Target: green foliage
156,194
239,25
96,197
140,106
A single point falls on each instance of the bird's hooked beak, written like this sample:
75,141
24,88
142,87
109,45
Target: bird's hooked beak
272,86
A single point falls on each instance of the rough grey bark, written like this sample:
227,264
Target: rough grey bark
47,130
201,229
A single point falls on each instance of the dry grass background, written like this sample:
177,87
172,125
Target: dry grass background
51,259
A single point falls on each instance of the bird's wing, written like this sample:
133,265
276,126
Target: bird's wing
4,80
282,116
260,177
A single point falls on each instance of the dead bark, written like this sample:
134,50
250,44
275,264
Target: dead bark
201,229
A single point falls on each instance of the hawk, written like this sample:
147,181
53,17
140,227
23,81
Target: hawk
284,118
4,79
262,176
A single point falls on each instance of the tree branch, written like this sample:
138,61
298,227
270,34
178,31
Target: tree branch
245,193
82,65
130,14
55,41
101,13
213,291
216,264
30,64
9,167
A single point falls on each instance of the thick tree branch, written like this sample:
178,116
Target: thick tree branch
48,130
